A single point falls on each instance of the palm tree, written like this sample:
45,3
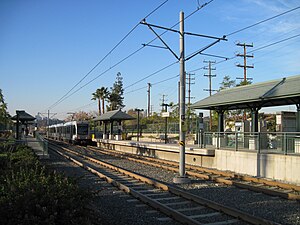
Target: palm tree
100,94
97,96
104,94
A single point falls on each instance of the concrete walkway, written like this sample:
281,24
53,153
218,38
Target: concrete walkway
40,148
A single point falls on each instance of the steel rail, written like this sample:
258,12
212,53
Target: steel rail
226,177
194,198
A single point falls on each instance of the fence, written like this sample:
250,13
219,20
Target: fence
43,144
264,142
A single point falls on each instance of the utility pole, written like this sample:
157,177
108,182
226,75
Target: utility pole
245,66
245,56
189,83
48,119
149,87
163,101
210,90
182,178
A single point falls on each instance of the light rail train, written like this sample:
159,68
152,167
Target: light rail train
75,132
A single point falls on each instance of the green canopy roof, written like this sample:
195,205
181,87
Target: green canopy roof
115,115
285,91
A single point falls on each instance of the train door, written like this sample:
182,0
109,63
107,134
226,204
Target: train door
73,134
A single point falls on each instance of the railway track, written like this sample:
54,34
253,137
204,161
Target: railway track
177,204
273,188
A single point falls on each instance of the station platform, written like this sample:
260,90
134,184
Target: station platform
250,162
172,147
40,147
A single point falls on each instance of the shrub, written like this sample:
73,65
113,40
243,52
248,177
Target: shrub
31,195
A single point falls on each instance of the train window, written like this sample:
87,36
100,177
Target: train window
74,129
82,129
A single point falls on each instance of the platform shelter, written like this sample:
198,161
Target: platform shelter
24,119
285,91
110,118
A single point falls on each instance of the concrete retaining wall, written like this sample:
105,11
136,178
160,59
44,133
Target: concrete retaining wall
274,166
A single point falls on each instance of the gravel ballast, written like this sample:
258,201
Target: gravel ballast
268,207
111,206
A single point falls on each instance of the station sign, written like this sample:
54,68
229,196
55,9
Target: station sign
165,114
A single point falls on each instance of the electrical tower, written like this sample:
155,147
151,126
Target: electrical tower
210,90
245,56
149,110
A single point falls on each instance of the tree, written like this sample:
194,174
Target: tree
227,83
80,116
96,96
116,93
4,115
100,94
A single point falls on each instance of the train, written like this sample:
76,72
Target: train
75,132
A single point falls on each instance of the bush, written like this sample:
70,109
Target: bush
31,195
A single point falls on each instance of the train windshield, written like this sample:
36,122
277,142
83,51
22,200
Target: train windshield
82,129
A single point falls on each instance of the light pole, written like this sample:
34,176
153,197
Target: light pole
138,123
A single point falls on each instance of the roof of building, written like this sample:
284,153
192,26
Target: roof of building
115,115
23,116
285,91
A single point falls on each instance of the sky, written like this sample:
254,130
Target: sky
55,49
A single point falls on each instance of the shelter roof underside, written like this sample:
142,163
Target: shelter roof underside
115,115
285,91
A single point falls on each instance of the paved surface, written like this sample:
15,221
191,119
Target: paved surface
39,147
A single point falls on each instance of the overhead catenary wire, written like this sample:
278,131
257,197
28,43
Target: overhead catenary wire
254,50
119,43
240,30
133,53
263,21
194,70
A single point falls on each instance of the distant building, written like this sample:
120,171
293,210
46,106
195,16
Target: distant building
285,121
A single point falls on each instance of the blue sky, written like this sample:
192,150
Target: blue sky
46,47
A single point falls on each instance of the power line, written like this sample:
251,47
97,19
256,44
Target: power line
262,21
257,49
152,84
194,70
136,51
274,43
150,75
91,70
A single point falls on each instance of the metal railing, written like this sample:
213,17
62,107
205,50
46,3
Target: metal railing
264,142
43,143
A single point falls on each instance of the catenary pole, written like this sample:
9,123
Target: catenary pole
182,178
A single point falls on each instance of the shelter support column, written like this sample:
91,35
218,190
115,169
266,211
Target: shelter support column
18,127
254,119
119,135
254,139
220,120
298,118
297,139
111,134
220,138
105,130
